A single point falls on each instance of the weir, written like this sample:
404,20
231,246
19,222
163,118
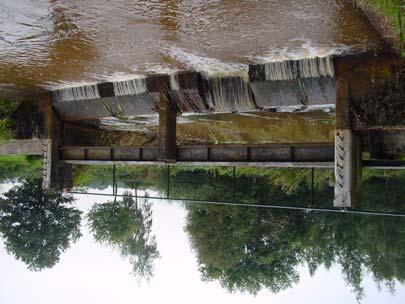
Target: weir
130,87
288,83
230,94
294,69
311,81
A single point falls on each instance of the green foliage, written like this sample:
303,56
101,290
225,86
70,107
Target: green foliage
101,176
393,11
19,166
6,132
244,248
248,249
38,226
114,223
6,109
127,227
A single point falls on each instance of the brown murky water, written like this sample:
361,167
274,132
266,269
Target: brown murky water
48,43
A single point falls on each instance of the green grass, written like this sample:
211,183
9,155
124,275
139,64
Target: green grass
394,13
6,110
6,133
20,166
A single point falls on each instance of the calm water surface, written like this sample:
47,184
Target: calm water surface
154,250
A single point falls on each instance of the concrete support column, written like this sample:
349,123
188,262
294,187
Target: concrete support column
167,129
348,168
348,151
67,176
55,174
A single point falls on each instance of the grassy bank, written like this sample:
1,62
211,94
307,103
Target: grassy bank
20,166
6,110
393,13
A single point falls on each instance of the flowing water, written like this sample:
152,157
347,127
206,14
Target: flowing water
44,43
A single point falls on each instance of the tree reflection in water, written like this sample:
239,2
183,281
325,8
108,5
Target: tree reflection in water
127,226
248,249
37,225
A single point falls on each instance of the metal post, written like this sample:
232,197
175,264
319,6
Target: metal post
168,182
312,186
233,183
114,184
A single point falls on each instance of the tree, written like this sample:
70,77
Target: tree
38,225
249,249
245,249
126,226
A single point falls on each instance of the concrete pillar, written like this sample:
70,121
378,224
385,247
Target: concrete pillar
54,172
167,129
348,168
67,174
348,151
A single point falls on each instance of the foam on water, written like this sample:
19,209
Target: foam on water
207,65
307,50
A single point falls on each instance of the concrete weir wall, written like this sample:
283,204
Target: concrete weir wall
288,83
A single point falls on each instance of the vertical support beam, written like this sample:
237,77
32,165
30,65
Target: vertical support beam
46,164
348,151
233,183
348,168
55,174
167,129
312,186
168,182
67,176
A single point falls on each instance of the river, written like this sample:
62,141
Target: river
44,44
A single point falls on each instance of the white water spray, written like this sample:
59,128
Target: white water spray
77,93
130,87
304,68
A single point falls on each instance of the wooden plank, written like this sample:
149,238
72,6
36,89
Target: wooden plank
22,147
167,129
208,163
98,154
213,153
192,154
126,153
274,152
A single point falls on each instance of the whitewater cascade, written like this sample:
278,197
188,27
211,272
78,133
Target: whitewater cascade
174,82
231,93
303,68
130,87
304,82
77,93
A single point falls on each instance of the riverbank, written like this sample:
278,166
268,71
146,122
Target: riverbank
387,16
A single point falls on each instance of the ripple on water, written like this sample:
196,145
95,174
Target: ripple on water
50,42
